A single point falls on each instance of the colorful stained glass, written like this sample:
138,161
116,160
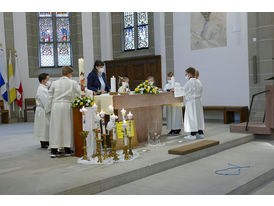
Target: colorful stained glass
45,14
129,39
142,37
142,18
63,30
46,55
45,29
128,19
62,14
64,54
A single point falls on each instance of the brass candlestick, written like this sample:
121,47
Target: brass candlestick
105,156
126,152
84,135
130,146
115,155
99,150
96,154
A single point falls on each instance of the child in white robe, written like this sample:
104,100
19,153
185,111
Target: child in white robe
194,117
123,85
41,119
173,111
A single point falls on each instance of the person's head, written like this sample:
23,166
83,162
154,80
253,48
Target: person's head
43,78
151,79
169,75
190,72
196,74
123,80
98,67
67,71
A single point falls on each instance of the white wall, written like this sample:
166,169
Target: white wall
223,70
20,44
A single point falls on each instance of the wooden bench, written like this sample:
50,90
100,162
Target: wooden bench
228,112
30,105
4,113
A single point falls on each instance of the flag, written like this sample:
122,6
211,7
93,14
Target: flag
18,84
3,77
12,90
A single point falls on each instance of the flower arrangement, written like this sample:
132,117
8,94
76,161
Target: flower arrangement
146,88
79,102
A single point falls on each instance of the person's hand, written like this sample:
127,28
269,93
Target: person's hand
103,91
172,89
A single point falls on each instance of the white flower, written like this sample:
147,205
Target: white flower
88,101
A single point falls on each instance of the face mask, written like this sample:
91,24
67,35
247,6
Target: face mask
48,84
101,70
187,78
169,81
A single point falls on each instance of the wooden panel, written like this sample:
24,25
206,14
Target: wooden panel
136,69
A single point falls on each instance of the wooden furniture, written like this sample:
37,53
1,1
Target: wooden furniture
146,110
136,69
77,128
30,105
228,112
4,113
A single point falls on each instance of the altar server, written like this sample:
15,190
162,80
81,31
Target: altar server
97,79
41,119
61,95
194,117
173,111
123,85
151,79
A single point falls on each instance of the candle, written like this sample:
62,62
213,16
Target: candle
114,132
82,75
125,132
172,82
98,126
129,115
123,111
113,84
110,109
102,115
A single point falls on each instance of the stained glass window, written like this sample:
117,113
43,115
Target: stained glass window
54,38
132,30
142,19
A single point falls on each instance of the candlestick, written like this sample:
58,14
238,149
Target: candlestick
84,135
129,115
113,84
82,76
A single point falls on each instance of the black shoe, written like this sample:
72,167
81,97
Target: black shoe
171,131
44,144
178,131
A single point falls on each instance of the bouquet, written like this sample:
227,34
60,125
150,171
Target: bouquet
79,102
146,88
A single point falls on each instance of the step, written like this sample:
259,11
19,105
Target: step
253,127
151,169
202,177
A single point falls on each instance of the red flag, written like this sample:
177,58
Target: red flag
18,83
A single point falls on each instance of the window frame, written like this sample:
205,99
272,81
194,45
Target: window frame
54,42
135,27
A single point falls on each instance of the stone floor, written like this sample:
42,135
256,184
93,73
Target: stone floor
27,169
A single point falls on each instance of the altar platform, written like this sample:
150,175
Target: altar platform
27,169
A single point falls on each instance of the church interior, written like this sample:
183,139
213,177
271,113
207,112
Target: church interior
132,101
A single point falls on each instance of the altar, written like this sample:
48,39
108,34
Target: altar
146,109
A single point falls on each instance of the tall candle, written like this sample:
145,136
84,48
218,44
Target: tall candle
129,116
102,115
98,126
125,132
82,75
113,84
172,82
114,132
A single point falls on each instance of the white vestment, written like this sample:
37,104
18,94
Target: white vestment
173,112
194,115
41,119
62,93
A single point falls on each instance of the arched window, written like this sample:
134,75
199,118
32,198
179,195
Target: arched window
54,39
135,24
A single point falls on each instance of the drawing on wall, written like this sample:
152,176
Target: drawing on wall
208,30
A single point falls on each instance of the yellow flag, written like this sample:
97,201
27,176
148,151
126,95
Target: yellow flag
12,90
